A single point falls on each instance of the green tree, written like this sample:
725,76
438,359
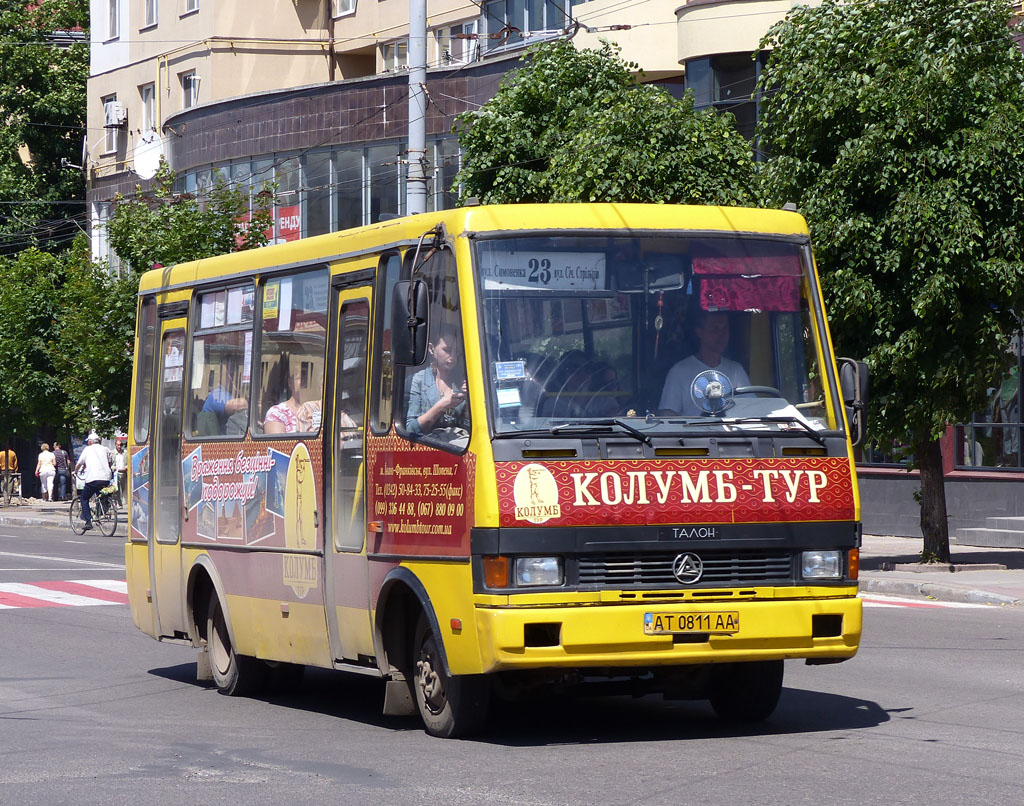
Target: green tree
96,331
576,126
164,227
31,394
43,71
898,128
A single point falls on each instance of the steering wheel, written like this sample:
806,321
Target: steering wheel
758,390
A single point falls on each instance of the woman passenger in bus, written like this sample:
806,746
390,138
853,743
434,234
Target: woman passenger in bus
291,415
436,397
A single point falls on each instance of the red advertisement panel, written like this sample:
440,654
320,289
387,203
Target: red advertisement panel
597,493
422,496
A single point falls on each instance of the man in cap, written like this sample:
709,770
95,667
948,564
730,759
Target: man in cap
94,463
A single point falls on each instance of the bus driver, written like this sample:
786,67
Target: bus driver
712,332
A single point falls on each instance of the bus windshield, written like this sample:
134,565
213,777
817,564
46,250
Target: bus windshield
681,330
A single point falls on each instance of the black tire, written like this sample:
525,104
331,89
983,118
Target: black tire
450,706
75,516
234,675
746,692
106,516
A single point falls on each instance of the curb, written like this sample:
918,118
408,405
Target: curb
932,590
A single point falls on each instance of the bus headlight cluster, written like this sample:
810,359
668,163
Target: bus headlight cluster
531,571
822,565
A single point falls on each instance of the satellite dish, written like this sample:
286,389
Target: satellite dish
149,150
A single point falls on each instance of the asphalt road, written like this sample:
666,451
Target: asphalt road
94,712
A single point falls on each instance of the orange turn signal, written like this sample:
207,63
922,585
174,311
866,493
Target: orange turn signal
854,563
496,571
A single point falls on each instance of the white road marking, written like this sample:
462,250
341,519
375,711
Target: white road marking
881,600
60,559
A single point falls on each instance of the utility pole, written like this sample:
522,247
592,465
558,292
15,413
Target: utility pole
416,186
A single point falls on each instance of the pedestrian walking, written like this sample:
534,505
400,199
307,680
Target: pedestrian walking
63,480
46,469
94,464
121,469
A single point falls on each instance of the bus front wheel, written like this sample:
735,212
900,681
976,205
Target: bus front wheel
746,692
450,705
234,675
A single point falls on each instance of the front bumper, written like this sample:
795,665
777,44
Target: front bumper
612,635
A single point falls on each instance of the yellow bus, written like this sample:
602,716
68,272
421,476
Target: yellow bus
479,451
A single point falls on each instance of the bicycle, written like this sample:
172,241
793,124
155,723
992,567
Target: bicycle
104,512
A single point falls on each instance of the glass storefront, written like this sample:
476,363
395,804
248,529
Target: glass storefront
327,190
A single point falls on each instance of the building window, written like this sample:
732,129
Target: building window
537,17
395,55
147,94
992,440
341,8
189,89
456,44
727,83
113,20
101,249
151,13
191,5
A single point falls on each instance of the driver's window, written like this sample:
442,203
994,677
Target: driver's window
434,405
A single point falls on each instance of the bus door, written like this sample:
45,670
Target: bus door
164,536
346,585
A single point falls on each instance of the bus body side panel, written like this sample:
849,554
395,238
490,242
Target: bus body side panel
281,627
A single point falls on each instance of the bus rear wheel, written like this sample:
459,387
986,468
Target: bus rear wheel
234,675
746,692
451,706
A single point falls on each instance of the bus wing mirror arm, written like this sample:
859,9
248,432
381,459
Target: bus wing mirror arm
854,382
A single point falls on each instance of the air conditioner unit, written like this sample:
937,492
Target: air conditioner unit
115,115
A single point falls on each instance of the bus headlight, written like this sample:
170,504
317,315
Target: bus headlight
532,571
822,565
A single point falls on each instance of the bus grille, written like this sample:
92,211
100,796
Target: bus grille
720,568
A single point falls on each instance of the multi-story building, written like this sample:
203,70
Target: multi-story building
312,95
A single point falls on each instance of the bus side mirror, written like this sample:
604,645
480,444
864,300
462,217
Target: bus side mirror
853,381
409,323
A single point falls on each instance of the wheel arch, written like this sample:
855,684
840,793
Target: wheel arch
401,600
203,581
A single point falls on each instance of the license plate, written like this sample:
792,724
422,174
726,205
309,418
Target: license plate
727,622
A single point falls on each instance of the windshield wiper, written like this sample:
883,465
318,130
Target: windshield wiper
584,424
787,420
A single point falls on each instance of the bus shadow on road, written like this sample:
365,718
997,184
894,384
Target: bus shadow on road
321,691
568,718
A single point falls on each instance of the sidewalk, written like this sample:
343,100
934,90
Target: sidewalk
888,565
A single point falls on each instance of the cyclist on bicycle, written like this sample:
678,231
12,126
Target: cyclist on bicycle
95,463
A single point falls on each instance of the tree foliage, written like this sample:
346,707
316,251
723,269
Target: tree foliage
164,227
575,126
42,104
898,128
30,306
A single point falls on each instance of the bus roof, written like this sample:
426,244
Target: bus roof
489,218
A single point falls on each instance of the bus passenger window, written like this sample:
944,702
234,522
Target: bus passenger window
221,364
292,354
434,406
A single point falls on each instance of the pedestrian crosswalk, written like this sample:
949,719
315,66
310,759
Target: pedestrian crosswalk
881,600
63,593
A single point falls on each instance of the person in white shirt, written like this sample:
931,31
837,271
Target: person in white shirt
121,469
94,463
712,331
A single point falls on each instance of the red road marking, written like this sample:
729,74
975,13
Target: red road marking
79,589
17,600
